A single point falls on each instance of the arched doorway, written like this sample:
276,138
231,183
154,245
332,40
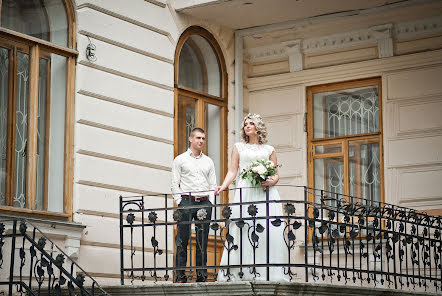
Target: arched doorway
201,101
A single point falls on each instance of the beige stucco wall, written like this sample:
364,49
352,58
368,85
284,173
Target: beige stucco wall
412,138
411,104
124,114
411,99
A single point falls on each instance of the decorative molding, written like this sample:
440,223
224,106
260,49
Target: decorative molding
310,45
433,97
124,131
123,103
124,160
289,122
125,75
157,2
127,19
344,72
336,41
119,188
414,133
413,169
412,29
125,46
294,51
269,52
382,35
427,201
417,167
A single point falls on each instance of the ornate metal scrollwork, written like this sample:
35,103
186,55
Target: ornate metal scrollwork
40,271
346,239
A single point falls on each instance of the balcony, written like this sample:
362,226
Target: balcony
335,244
330,239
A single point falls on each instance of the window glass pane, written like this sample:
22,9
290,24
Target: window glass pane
186,121
57,110
213,136
41,19
4,93
42,117
199,67
346,112
329,176
365,173
213,142
21,129
330,148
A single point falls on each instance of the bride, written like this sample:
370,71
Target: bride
253,148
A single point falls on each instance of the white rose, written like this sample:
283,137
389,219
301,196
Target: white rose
261,170
255,169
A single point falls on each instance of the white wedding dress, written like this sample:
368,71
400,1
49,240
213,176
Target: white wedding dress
249,153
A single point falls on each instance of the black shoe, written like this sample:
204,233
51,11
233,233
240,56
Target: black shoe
200,280
181,279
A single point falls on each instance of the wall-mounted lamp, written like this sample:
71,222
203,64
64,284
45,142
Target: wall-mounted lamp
90,51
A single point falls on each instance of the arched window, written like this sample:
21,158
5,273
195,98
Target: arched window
201,95
201,101
37,63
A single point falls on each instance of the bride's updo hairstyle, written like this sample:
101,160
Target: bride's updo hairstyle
261,129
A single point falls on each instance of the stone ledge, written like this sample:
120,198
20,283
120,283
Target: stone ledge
255,289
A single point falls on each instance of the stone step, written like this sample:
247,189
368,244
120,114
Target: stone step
254,289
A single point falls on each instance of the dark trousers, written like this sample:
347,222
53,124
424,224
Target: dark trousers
183,235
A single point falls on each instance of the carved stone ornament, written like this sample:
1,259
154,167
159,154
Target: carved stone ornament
383,35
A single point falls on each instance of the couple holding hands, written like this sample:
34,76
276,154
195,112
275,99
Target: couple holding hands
194,172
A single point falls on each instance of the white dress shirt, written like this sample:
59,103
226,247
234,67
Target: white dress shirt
195,174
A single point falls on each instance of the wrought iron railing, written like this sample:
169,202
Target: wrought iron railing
32,264
344,239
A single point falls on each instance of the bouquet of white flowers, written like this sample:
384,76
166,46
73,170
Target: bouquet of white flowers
259,171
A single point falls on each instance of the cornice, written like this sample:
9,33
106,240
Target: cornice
262,53
381,35
335,41
343,72
412,29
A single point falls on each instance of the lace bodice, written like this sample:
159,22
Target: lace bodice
251,152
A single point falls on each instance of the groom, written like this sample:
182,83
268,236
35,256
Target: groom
193,175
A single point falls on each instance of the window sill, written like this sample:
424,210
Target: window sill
45,215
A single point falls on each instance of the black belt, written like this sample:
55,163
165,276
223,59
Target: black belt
195,198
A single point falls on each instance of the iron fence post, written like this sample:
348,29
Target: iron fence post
166,236
121,242
11,268
306,233
268,233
